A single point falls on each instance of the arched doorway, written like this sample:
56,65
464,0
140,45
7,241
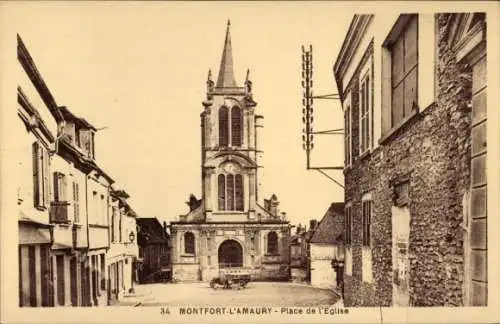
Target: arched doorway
230,254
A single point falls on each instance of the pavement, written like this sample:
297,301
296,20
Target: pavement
255,294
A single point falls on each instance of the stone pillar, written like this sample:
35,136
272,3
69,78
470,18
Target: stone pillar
38,276
252,195
79,281
67,281
259,125
207,199
91,280
54,281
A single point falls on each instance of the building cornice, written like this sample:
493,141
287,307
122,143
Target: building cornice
31,70
355,33
36,120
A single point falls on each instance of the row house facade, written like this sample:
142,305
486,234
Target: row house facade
63,199
154,251
35,144
123,253
413,91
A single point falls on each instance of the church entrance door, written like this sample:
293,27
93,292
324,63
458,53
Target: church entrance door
230,254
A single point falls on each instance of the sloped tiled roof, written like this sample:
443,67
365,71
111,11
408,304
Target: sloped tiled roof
331,227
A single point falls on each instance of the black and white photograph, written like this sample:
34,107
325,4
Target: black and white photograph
281,161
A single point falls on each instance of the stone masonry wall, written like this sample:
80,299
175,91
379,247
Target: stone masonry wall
431,150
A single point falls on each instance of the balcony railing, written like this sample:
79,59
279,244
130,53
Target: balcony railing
59,212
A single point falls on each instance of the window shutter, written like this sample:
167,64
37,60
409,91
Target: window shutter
63,188
46,183
36,174
76,203
113,216
56,187
386,92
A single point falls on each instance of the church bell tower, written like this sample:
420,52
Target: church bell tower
230,152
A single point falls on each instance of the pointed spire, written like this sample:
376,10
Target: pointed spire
225,78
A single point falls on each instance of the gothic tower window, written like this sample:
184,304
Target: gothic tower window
223,126
230,192
272,243
230,126
236,126
189,243
238,192
222,191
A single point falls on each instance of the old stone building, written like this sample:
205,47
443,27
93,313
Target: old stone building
415,152
227,227
326,245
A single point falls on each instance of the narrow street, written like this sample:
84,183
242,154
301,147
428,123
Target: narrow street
256,294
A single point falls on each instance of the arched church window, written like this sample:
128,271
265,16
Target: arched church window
222,191
189,241
223,126
236,126
238,192
272,243
230,192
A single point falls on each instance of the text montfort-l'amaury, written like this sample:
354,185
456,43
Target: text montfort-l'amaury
322,310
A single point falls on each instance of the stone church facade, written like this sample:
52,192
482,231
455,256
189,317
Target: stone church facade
227,227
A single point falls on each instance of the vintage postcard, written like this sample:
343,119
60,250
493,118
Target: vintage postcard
298,162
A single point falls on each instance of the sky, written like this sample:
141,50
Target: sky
138,70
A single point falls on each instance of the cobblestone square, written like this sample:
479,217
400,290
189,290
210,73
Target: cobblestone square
256,294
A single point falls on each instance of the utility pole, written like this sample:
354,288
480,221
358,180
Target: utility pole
308,114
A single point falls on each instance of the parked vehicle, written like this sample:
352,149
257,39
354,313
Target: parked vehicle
231,278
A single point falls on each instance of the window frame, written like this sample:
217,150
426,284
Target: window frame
191,248
228,126
236,141
231,192
367,221
365,95
60,187
272,246
348,131
401,35
76,202
224,142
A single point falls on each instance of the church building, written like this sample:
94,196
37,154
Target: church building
227,227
